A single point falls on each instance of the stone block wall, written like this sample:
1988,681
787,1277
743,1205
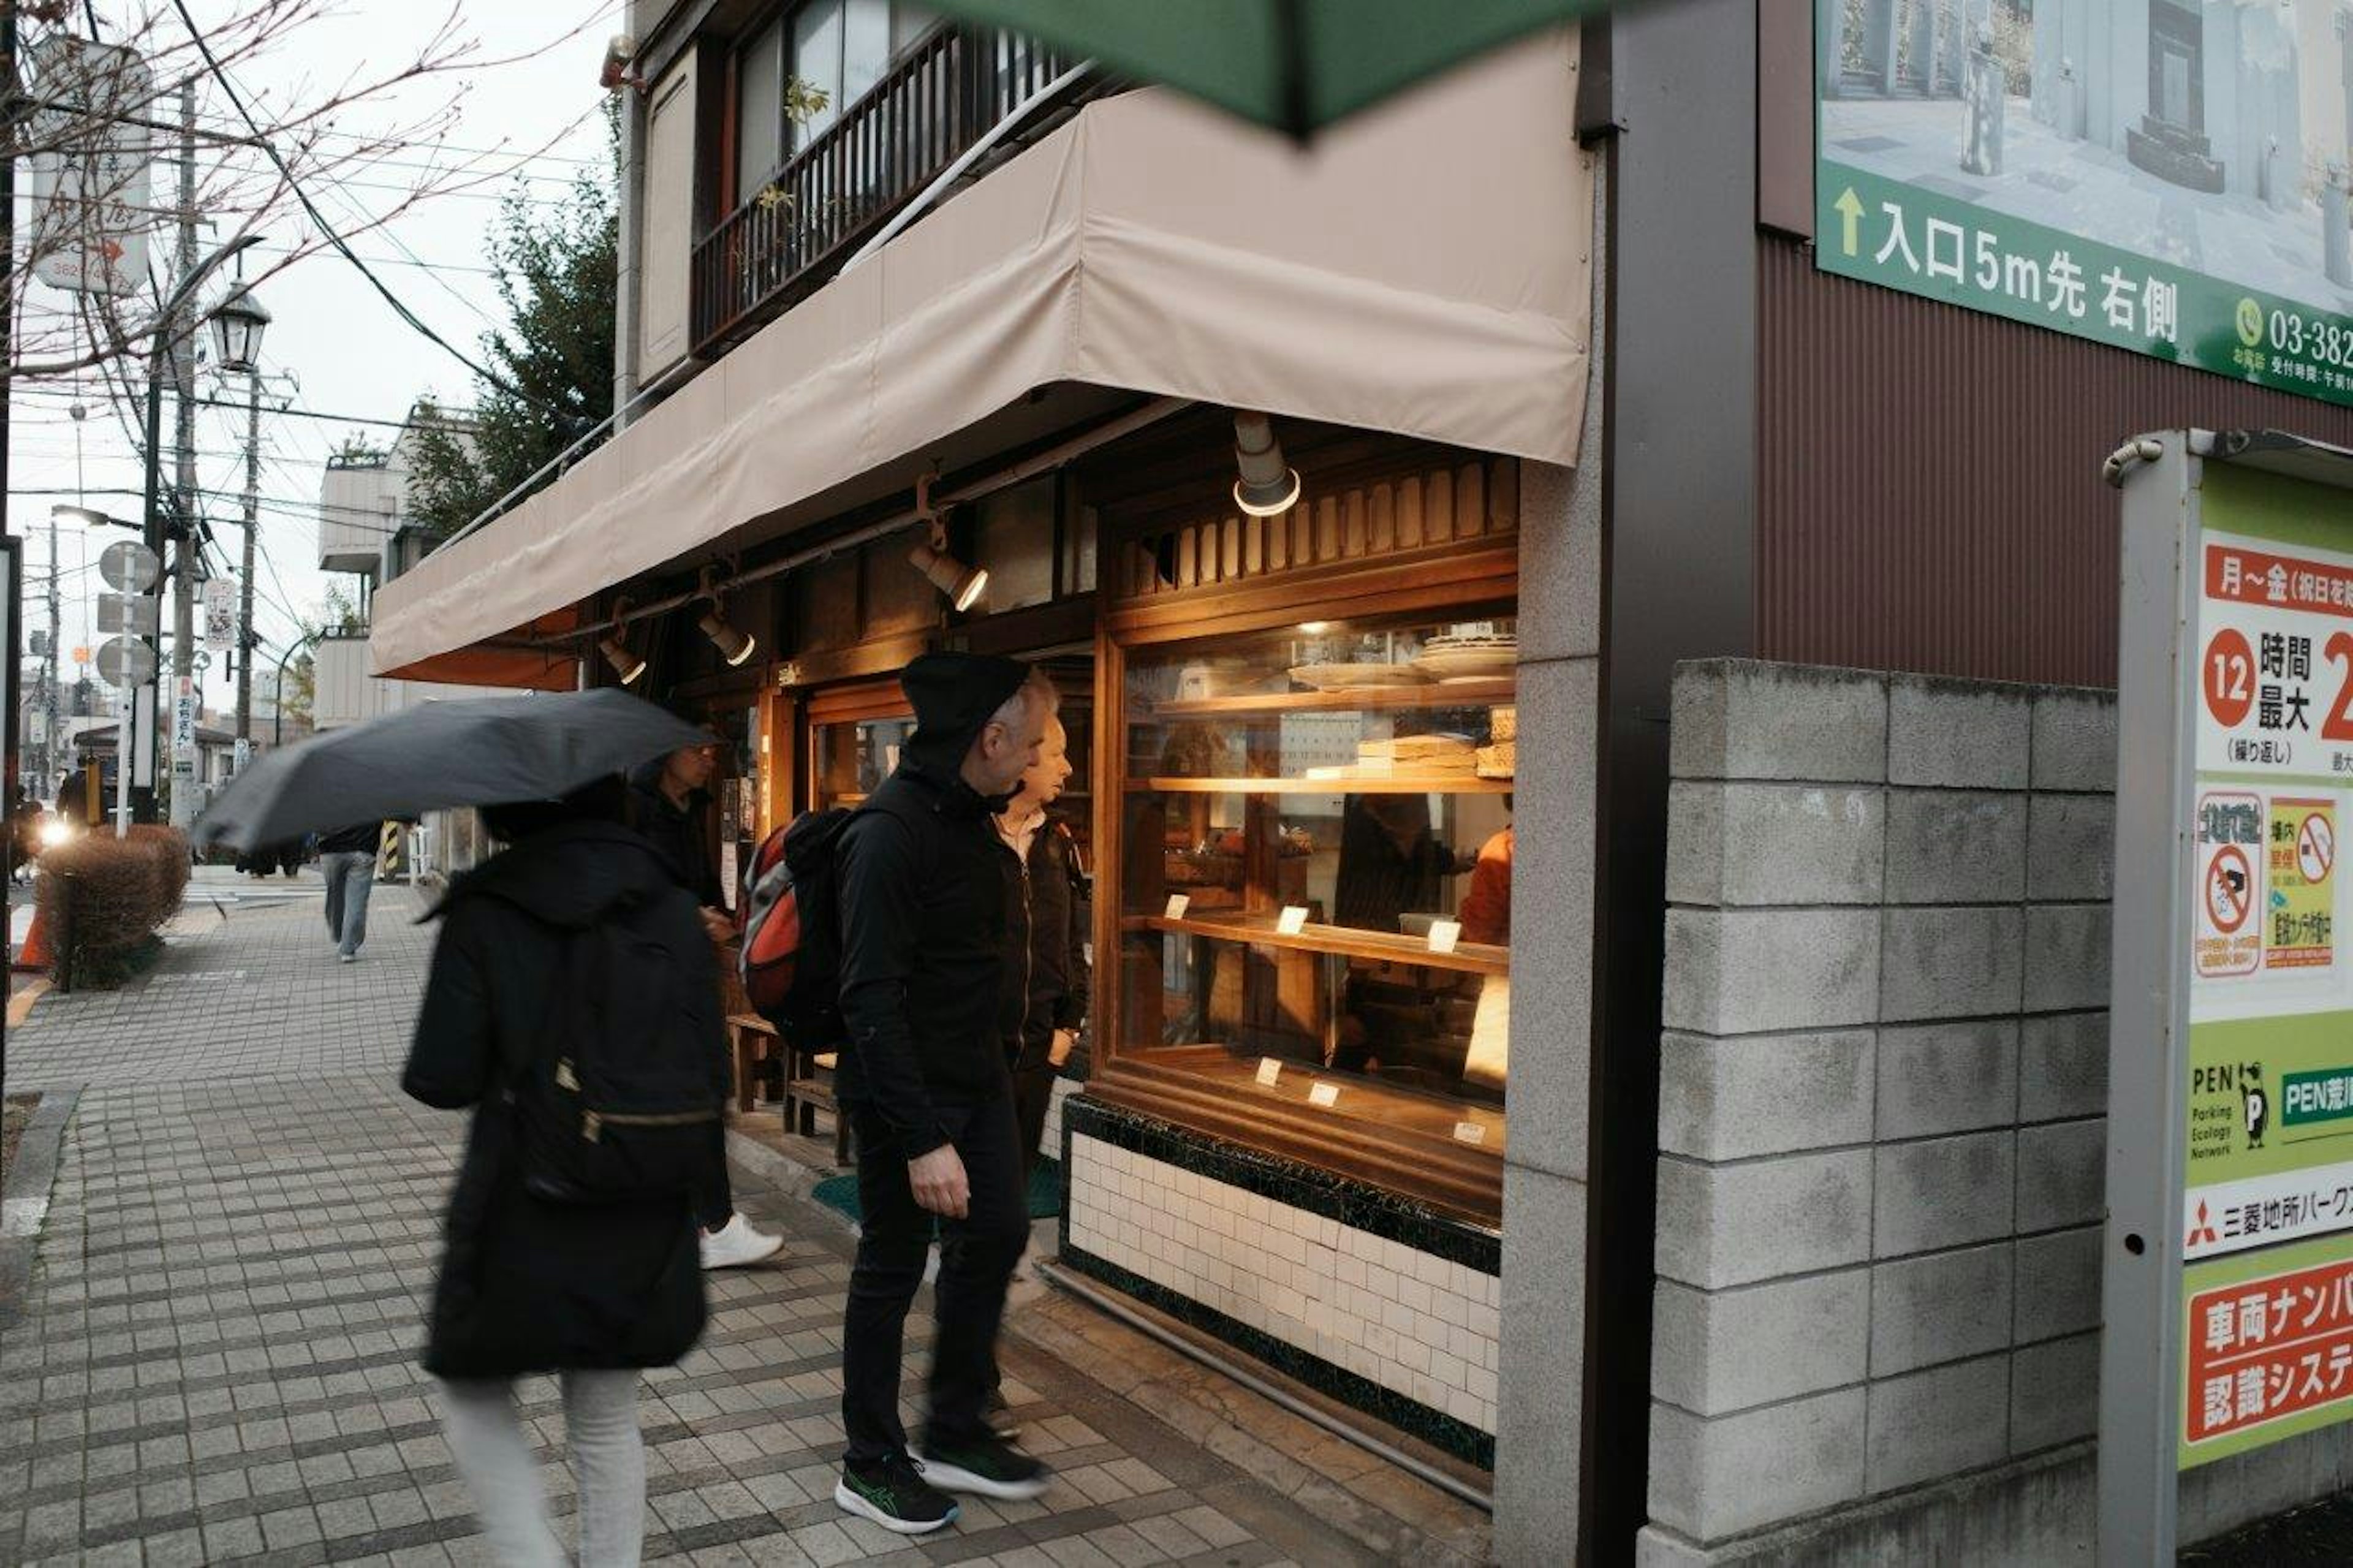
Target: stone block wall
1881,1083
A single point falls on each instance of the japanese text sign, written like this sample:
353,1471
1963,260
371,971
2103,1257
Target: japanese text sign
2181,193
2271,989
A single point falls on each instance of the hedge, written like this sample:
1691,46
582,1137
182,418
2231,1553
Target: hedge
124,888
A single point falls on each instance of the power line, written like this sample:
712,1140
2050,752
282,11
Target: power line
286,171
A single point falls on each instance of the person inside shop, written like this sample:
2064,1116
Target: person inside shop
1486,912
1392,863
592,1292
669,805
923,882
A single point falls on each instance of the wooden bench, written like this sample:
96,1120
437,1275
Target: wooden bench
806,1093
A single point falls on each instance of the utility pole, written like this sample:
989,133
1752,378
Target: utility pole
184,509
10,109
244,641
49,743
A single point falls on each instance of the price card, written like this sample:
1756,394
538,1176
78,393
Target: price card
1177,904
1469,1133
1326,1095
1444,934
1293,921
1269,1071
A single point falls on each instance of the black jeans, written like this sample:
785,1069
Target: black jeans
977,1254
714,1199
1033,1095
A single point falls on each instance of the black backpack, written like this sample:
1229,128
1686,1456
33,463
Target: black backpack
624,1095
790,957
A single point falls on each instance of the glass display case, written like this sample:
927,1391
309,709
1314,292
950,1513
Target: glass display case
850,757
1316,851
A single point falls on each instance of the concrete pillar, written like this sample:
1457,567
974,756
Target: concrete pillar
1539,1427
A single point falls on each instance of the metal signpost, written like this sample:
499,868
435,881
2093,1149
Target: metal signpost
127,661
2228,1274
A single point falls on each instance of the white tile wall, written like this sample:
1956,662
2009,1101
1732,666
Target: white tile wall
1410,1321
1050,1145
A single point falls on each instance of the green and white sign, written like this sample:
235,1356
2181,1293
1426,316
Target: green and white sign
2227,1248
2157,176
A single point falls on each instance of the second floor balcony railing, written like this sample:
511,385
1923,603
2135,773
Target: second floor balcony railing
941,97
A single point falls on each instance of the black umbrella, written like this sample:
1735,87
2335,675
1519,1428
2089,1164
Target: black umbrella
477,751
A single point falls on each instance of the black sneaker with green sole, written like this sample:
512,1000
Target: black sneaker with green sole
987,1467
895,1495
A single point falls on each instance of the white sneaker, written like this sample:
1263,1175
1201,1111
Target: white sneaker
736,1244
347,957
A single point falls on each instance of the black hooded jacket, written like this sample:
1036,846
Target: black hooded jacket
677,831
922,880
525,1285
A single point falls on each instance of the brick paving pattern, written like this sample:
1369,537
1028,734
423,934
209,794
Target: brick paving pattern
217,1358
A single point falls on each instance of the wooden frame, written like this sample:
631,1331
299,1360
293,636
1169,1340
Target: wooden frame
1419,1162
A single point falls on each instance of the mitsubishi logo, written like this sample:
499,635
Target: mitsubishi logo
2203,1231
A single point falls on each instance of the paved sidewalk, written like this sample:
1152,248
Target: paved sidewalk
217,1359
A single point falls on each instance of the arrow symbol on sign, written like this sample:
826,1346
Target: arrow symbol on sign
1850,206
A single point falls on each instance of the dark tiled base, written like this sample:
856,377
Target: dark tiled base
1318,1191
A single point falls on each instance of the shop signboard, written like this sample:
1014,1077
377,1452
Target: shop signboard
2167,179
89,164
2228,1261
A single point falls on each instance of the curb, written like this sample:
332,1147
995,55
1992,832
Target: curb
24,1206
786,1174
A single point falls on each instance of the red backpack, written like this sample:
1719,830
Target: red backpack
790,914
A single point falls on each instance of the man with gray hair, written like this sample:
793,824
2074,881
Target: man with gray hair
923,881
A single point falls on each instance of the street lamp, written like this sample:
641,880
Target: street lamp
278,719
89,517
237,325
169,336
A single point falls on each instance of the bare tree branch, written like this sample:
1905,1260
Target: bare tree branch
85,100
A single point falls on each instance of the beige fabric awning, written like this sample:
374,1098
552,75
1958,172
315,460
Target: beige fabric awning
1423,269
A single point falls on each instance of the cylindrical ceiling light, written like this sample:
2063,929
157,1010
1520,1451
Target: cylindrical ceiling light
628,665
1268,485
735,645
615,646
963,585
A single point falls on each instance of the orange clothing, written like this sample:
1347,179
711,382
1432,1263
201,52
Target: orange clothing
1486,911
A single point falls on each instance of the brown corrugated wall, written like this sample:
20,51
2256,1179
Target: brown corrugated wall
1930,496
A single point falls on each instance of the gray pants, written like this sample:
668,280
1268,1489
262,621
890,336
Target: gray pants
608,1459
351,876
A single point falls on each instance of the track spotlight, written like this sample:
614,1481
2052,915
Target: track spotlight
1268,485
626,665
734,645
963,585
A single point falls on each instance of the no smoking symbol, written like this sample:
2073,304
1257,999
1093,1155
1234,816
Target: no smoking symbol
2227,879
2315,848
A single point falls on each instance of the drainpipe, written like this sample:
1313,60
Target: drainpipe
629,270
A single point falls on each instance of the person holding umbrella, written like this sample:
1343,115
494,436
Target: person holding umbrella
594,1292
540,1274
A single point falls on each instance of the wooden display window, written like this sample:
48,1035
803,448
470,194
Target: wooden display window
1284,963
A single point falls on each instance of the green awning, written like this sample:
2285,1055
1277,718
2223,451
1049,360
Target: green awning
1294,65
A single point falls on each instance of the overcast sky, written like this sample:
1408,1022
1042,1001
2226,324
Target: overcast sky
332,333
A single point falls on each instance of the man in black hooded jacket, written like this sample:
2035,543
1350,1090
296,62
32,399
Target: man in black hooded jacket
923,883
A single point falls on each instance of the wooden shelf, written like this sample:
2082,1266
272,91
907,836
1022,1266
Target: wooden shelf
1362,1096
1355,783
1345,942
1482,692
